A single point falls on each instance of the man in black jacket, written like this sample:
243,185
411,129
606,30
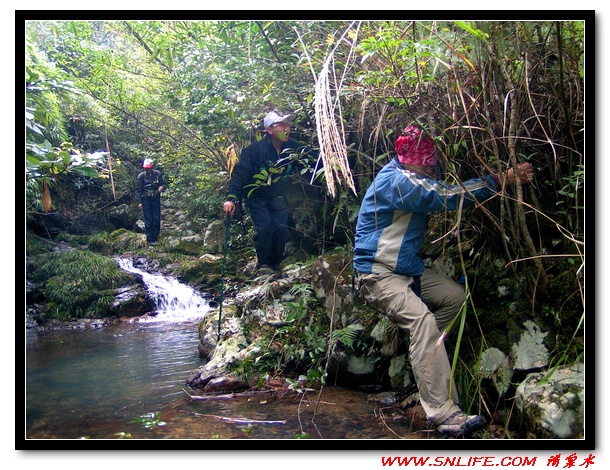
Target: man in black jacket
150,185
260,178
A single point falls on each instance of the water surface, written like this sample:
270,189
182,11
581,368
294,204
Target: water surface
97,383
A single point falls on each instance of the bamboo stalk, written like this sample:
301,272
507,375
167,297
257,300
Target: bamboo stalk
241,420
226,396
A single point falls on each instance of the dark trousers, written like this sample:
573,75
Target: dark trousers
151,206
270,220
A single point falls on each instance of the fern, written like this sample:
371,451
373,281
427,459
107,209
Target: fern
346,336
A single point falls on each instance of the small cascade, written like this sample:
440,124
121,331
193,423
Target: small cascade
174,301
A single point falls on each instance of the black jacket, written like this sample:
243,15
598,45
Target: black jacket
251,177
148,183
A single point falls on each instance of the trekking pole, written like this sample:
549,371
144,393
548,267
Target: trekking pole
224,266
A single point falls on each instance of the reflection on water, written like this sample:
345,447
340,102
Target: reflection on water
94,383
94,374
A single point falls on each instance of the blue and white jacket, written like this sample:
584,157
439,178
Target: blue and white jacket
393,217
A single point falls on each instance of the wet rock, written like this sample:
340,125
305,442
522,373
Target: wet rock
331,277
214,234
231,350
227,383
188,245
383,329
398,372
384,398
361,365
131,301
444,266
206,346
507,288
33,313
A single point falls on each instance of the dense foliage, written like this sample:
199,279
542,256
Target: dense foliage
78,284
101,96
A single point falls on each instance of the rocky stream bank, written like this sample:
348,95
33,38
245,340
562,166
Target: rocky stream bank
309,327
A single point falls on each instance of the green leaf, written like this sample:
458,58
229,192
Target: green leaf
475,32
85,171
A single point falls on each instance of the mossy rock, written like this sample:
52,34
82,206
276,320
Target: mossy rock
79,284
117,242
204,272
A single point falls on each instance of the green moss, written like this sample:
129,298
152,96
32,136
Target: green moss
201,273
35,246
78,284
296,348
117,242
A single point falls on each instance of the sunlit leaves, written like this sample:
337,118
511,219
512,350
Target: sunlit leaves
477,33
53,161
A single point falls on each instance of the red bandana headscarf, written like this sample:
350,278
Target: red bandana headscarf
415,147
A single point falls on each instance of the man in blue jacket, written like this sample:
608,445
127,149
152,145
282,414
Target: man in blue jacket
389,234
260,178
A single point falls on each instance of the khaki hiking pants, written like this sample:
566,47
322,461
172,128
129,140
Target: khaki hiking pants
424,319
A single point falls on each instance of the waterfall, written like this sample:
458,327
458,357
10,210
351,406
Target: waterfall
173,301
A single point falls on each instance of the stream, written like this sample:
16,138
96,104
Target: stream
127,381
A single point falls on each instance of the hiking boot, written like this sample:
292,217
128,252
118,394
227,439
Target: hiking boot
277,270
264,269
460,423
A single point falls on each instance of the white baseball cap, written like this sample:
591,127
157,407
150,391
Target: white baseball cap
147,163
275,116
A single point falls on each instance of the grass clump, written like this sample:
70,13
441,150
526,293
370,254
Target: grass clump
78,284
117,242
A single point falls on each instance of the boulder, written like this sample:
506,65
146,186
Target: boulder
494,365
123,216
132,301
214,235
189,245
551,404
331,277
